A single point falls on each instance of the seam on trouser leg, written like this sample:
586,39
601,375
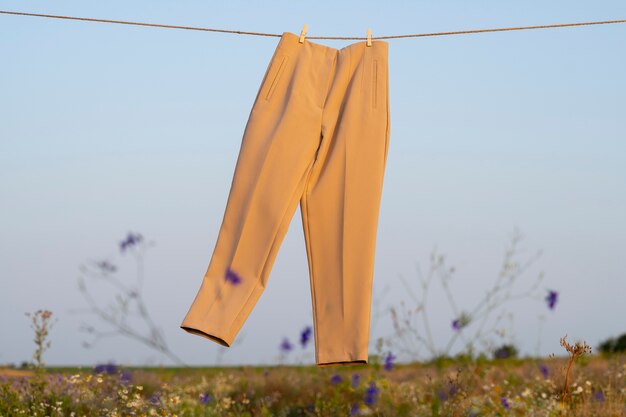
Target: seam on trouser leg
311,265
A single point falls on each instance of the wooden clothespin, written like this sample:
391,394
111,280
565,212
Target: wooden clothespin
303,33
369,37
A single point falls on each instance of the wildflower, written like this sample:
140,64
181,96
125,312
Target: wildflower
371,393
286,346
305,335
108,368
598,396
232,276
389,361
354,409
205,398
125,377
227,402
551,299
505,402
335,379
460,322
355,380
544,370
131,239
442,394
155,399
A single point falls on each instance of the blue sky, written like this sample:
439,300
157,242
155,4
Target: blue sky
109,128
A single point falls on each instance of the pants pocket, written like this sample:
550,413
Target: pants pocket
374,91
275,74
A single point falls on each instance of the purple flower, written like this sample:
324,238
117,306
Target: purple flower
551,299
131,239
232,276
505,403
155,399
371,393
305,335
205,398
389,361
544,370
355,380
125,377
335,379
461,321
453,389
598,396
108,368
286,346
442,394
354,409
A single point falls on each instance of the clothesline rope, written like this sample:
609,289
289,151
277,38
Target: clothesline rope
240,32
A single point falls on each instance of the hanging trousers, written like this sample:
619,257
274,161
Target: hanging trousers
317,135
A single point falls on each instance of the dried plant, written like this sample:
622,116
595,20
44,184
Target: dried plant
41,324
575,351
128,300
412,326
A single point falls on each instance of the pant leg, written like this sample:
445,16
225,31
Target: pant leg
341,201
277,152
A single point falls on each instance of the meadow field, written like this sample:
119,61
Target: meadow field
498,387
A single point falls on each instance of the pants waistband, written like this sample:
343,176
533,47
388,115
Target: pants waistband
292,40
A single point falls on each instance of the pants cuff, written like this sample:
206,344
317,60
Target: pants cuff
342,363
357,359
216,336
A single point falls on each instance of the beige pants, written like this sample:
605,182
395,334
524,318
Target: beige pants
318,135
